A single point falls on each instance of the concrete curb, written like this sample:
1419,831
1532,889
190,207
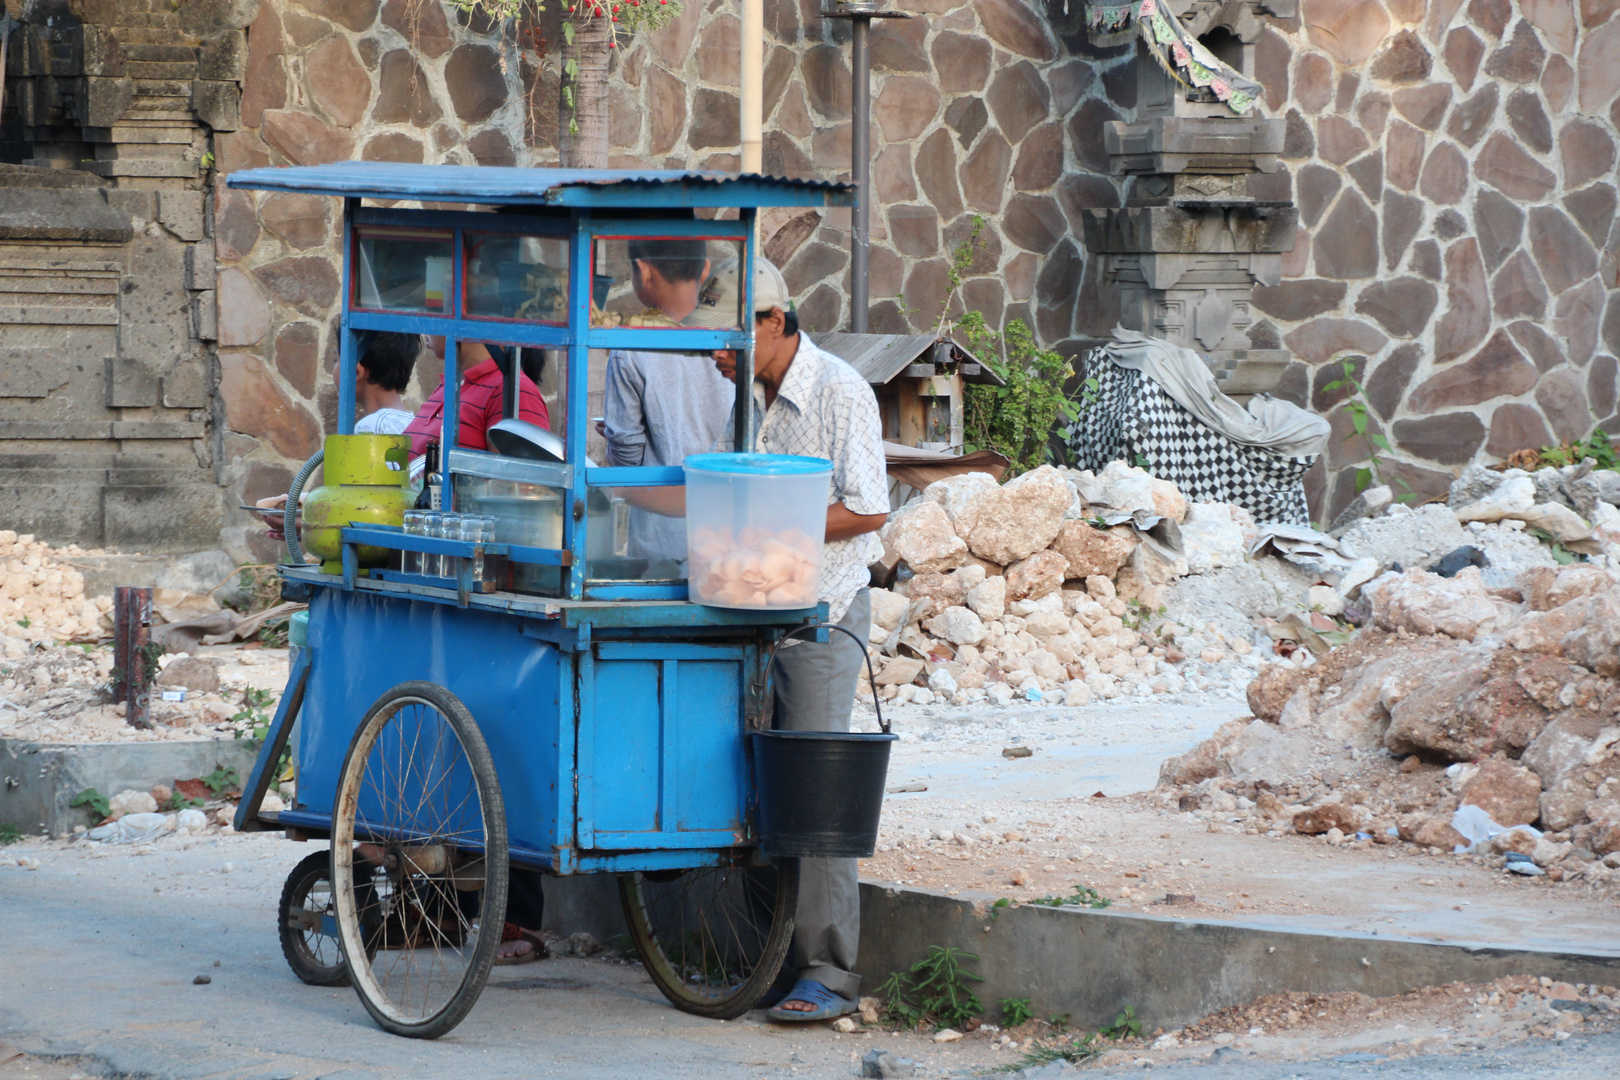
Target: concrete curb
1090,964
38,780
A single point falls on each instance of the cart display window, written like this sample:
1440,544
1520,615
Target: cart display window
399,269
516,277
636,271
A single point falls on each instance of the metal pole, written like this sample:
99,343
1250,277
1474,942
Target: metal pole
860,148
752,89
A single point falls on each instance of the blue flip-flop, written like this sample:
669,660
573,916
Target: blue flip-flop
828,1005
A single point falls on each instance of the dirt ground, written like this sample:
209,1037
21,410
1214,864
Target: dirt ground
1351,1027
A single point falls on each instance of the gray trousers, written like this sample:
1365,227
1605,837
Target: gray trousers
815,690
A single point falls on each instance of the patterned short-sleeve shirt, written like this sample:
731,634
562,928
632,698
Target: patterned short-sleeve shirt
825,409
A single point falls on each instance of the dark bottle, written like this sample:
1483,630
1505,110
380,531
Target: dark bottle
431,480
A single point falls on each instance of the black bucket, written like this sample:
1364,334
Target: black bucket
821,792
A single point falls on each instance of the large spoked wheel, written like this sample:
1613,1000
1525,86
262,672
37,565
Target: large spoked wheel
306,922
713,939
419,866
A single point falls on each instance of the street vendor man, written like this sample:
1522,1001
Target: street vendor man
812,403
659,407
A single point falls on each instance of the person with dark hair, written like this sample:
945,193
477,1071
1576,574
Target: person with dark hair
661,406
381,376
662,267
479,400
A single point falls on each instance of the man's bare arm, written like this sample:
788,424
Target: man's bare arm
845,524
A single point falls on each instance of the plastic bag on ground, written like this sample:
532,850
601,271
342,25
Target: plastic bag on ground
132,829
1478,827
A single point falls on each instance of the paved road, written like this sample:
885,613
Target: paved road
97,957
1594,1058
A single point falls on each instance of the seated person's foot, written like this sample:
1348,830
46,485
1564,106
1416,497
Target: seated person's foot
520,946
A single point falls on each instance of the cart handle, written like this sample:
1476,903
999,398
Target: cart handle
770,661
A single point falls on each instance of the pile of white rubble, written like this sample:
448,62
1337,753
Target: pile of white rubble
1023,591
1477,712
42,595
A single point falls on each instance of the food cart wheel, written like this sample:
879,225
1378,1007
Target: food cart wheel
419,865
713,939
303,919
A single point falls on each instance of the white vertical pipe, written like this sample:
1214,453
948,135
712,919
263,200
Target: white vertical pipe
753,84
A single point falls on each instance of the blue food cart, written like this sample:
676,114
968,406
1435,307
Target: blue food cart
466,709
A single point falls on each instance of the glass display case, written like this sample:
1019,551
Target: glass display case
548,272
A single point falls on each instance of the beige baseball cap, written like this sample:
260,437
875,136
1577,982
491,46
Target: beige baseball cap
719,300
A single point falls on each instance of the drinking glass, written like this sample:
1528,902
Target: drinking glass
477,529
415,525
447,527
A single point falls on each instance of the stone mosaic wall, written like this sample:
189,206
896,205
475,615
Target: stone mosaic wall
1453,162
1454,165
980,108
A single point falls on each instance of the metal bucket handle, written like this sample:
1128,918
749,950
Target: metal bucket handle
770,661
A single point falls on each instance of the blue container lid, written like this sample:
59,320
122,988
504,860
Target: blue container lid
759,464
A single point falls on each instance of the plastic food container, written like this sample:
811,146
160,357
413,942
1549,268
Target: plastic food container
754,528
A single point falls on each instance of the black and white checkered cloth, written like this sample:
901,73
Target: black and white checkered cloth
1135,421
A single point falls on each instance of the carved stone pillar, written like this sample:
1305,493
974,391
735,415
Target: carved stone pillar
1192,241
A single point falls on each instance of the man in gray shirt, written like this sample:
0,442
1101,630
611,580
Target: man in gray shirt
661,406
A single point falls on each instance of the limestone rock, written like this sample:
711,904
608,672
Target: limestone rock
1017,519
933,593
1605,836
922,534
1545,631
887,610
954,492
1548,587
1046,624
899,671
1202,762
1510,793
1595,643
1271,688
1435,831
962,626
1092,551
1329,815
1511,498
1039,575
1475,482
1466,712
1546,852
1559,757
1211,538
1558,521
191,672
1262,752
969,576
1425,603
988,599
131,802
1520,841
1153,567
